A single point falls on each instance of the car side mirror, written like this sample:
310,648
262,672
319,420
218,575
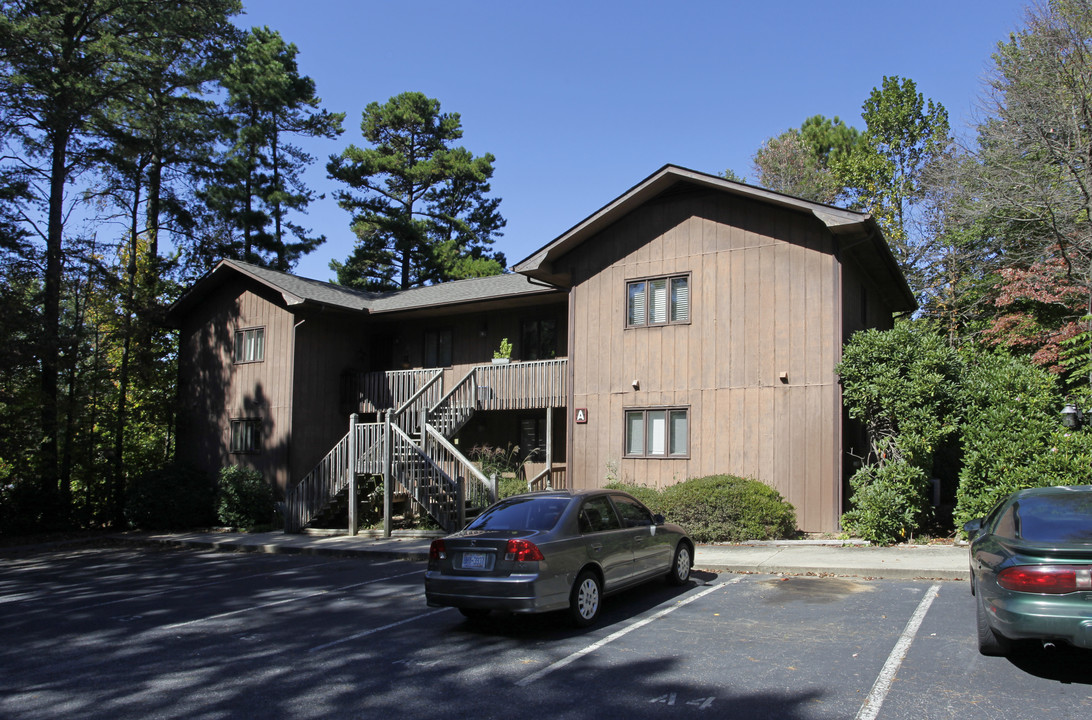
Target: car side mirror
659,519
973,527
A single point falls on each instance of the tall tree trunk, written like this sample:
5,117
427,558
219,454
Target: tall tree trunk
117,484
51,320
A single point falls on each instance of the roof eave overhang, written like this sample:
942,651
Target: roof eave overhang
866,233
542,264
218,276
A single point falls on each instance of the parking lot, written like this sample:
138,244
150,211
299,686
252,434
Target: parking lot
139,632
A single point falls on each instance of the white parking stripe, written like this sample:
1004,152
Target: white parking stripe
375,630
295,598
870,709
624,631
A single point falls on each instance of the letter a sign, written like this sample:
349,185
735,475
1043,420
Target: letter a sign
581,415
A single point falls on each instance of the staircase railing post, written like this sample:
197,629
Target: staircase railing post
350,470
388,481
460,500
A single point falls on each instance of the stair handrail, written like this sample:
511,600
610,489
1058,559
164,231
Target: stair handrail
324,481
449,421
478,491
414,401
435,490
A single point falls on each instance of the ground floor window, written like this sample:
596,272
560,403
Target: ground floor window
246,435
657,432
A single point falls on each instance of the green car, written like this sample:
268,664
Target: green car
1031,569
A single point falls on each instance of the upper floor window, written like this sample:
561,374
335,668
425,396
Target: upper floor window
246,435
250,345
438,348
657,432
658,301
538,339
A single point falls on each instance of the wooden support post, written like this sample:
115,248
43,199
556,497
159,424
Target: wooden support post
460,500
351,471
549,448
388,481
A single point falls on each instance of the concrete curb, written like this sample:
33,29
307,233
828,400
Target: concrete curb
801,558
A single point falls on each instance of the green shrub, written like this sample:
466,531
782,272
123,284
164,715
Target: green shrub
650,496
171,498
890,502
509,486
724,508
243,498
1012,437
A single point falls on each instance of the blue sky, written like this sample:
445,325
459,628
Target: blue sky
579,101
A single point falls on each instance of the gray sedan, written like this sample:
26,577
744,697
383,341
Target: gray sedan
555,550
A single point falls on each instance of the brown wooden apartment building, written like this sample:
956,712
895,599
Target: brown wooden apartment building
689,327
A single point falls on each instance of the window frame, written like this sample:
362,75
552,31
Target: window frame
536,348
669,297
437,333
242,333
646,432
254,435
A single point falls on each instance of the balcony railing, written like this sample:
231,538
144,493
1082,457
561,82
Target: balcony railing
374,392
523,385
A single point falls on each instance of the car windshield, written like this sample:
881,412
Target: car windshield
1061,518
531,513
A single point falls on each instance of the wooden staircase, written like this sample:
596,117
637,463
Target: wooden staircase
412,446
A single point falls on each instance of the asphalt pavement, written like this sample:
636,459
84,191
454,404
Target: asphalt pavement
790,557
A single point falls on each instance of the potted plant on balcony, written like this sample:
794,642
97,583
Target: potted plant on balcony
503,354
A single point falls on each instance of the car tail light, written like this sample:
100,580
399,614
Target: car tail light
522,551
1053,579
437,551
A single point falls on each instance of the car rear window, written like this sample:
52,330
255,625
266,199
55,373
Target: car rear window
1061,518
522,514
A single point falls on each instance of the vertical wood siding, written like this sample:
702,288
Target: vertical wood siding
763,302
221,390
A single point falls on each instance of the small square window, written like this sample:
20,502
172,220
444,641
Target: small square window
250,345
246,435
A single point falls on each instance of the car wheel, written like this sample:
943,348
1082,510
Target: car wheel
585,599
680,567
474,613
989,642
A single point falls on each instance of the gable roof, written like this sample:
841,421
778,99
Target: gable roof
851,229
300,292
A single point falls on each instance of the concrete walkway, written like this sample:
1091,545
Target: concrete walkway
940,562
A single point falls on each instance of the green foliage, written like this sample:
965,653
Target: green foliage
258,179
882,174
1012,437
494,459
1076,355
420,205
903,384
509,486
174,497
890,502
504,352
720,508
243,498
786,164
650,496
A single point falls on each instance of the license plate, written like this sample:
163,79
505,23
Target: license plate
475,561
